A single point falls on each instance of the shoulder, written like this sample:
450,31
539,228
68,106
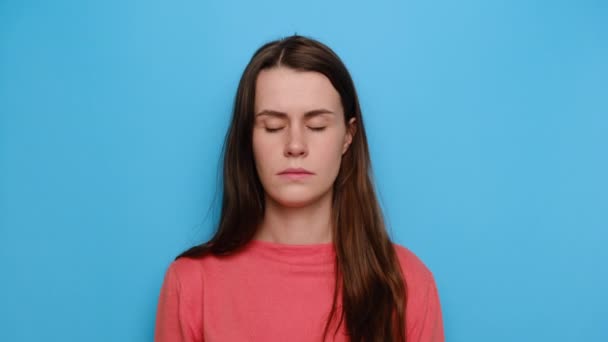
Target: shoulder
416,273
185,265
411,263
186,275
424,320
179,313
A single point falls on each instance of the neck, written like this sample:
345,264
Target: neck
308,224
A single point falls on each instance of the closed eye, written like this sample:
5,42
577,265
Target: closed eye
272,130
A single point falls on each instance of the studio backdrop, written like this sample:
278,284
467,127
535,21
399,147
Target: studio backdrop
487,123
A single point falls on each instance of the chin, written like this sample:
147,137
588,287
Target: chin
294,200
297,199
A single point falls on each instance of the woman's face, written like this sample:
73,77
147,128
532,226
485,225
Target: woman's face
299,123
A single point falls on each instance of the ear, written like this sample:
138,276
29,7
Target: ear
351,129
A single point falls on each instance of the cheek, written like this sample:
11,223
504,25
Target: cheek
260,146
264,154
330,153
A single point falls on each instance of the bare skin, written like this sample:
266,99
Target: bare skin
298,210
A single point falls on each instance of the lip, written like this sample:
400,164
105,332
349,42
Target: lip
295,172
295,176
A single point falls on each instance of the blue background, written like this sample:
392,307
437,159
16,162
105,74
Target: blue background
487,121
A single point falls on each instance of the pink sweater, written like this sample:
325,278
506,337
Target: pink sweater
275,292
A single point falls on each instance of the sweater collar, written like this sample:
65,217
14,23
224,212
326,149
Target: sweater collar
295,254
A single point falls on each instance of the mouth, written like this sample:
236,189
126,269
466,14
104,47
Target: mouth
295,171
295,175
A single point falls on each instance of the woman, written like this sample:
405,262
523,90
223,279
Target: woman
301,252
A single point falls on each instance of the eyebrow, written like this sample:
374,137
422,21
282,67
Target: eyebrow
310,113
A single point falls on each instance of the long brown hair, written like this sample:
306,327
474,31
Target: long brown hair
368,274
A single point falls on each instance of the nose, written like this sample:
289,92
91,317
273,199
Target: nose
296,144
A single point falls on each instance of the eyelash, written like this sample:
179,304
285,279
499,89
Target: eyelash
274,130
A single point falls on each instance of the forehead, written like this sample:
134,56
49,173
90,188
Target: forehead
294,92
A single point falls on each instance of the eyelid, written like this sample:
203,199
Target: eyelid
273,130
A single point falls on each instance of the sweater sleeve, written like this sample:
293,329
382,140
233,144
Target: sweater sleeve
171,318
428,323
